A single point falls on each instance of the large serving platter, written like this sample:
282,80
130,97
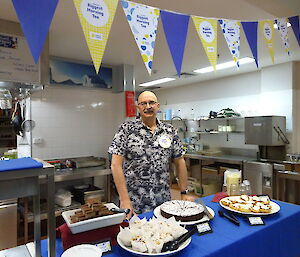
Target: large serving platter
169,253
93,223
157,214
275,208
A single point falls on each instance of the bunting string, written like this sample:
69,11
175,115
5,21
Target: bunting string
96,18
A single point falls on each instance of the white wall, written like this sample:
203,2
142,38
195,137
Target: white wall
264,92
74,122
296,108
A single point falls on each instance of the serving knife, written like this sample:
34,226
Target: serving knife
206,211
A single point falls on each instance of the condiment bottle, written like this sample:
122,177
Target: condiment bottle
248,190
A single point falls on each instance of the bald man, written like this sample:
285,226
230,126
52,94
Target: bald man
141,151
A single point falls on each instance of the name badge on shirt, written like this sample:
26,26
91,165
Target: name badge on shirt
164,141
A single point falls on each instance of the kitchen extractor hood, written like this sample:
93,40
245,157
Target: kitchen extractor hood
16,89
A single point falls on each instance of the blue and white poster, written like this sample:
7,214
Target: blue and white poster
231,32
78,74
143,22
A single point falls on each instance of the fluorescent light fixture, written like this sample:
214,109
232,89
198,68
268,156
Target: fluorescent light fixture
225,65
156,82
276,27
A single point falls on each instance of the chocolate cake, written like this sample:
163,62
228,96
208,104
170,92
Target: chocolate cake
182,210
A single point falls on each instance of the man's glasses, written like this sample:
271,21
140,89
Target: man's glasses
144,104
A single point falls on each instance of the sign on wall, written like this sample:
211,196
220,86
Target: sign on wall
78,74
16,62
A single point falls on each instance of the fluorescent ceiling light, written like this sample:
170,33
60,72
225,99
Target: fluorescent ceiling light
156,82
225,65
276,27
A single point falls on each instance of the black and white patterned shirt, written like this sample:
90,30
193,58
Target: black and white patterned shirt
146,161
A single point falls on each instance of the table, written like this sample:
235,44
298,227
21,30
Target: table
23,183
280,237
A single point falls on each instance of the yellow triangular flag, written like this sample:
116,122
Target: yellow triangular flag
207,31
267,29
96,17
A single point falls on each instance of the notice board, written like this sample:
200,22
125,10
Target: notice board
16,62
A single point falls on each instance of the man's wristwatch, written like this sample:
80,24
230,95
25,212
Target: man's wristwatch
185,192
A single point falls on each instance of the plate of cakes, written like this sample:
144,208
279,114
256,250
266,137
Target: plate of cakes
93,214
185,212
146,237
250,205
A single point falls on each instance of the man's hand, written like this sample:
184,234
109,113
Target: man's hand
127,205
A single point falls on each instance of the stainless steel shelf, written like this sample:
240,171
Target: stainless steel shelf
218,132
58,211
74,174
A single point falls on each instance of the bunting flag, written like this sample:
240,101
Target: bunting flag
208,33
231,31
283,31
143,22
250,29
35,17
267,30
96,17
295,25
175,27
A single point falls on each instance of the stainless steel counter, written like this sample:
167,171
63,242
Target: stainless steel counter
66,175
23,183
230,159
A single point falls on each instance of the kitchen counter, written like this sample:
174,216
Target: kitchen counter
230,159
25,182
80,173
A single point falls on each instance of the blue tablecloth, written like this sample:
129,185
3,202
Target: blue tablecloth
280,237
19,164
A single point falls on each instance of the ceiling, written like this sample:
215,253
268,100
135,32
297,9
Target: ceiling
67,39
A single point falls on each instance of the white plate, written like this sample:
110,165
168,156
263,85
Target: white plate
184,245
93,223
83,250
205,218
275,209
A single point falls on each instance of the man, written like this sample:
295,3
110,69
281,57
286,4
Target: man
141,150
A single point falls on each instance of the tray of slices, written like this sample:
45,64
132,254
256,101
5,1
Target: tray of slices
250,205
92,215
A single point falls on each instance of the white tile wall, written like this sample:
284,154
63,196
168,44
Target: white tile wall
75,122
264,92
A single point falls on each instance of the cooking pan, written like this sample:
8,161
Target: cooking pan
17,119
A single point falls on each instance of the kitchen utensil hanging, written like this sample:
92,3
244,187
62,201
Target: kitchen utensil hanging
17,119
27,124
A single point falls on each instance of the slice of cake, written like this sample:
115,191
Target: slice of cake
182,210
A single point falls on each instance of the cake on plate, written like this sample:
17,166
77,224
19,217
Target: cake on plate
182,210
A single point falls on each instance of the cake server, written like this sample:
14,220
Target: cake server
206,211
120,210
173,245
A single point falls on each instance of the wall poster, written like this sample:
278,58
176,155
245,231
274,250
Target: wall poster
16,62
77,74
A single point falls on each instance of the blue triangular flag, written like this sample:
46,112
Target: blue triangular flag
295,25
250,29
175,27
35,17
